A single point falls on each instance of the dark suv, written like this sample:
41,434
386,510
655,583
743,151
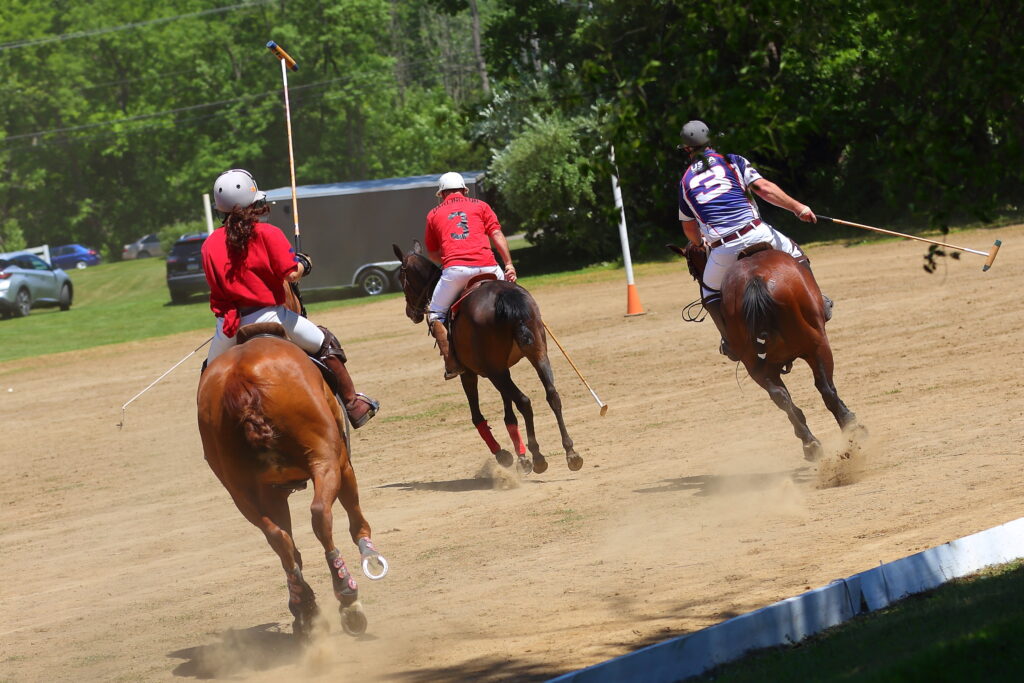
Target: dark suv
185,268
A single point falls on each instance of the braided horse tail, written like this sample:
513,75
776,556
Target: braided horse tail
759,311
244,400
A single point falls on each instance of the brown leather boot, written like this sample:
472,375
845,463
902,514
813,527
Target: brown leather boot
452,368
714,309
360,407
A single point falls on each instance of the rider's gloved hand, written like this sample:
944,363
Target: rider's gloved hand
307,263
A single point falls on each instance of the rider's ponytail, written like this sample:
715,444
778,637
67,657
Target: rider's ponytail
239,225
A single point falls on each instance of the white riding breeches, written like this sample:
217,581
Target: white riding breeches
449,287
305,334
721,257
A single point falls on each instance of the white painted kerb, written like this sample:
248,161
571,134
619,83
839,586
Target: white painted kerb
793,619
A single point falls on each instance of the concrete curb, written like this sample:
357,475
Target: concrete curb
793,619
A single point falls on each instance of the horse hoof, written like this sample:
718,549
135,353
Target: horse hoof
504,458
525,466
813,451
539,464
353,619
574,461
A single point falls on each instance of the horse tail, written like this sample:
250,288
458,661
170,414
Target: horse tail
759,309
244,401
512,305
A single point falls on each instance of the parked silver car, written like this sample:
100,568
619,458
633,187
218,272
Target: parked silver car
143,247
27,280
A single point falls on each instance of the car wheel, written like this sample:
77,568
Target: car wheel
65,298
374,281
143,254
81,264
22,303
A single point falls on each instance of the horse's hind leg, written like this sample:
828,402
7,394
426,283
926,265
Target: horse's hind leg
278,530
776,388
822,367
267,509
470,385
547,378
326,488
510,393
358,527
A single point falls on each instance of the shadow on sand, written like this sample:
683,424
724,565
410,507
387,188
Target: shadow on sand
258,648
716,484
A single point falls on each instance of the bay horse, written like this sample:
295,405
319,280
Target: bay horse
774,314
269,423
497,324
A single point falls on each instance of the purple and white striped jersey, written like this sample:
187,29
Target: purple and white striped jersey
716,196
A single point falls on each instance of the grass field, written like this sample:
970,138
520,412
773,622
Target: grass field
967,630
129,301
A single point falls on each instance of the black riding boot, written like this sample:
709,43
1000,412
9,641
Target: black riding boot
806,263
714,309
360,407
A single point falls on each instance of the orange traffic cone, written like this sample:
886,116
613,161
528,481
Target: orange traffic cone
633,306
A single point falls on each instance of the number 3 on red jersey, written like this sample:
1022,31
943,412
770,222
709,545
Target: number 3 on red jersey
463,223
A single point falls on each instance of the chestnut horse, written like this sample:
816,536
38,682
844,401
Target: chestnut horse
774,314
497,325
269,423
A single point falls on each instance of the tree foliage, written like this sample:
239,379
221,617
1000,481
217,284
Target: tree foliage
116,116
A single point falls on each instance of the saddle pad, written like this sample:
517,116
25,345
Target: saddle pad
473,283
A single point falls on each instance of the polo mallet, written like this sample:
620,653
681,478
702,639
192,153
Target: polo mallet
154,382
990,254
602,404
288,63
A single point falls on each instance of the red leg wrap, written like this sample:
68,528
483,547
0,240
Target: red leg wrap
517,440
485,434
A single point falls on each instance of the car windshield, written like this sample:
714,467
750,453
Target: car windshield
4,263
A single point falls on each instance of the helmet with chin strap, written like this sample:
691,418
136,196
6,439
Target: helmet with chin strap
236,188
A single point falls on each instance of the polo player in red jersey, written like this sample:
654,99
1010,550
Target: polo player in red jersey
246,263
459,236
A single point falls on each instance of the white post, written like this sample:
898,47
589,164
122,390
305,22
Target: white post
209,214
633,306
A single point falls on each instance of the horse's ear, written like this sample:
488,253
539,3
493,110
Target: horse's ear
678,250
398,251
417,248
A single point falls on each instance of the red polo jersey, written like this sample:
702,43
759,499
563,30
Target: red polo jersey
460,228
254,279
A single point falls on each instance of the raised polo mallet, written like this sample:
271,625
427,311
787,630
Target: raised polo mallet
990,254
602,404
288,63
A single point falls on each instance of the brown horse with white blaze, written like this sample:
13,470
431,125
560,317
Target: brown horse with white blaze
269,423
498,324
774,314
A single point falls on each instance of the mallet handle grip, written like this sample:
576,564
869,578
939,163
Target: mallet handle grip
282,55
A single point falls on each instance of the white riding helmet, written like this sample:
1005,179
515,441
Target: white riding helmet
450,181
234,188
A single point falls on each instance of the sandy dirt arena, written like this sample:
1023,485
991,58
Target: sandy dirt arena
124,558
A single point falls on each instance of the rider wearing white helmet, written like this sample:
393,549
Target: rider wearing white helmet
246,263
716,209
459,235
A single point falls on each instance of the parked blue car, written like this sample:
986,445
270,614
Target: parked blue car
73,256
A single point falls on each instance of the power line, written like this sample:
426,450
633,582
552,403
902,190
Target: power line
124,27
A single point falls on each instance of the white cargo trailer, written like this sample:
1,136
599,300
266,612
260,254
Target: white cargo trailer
348,228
